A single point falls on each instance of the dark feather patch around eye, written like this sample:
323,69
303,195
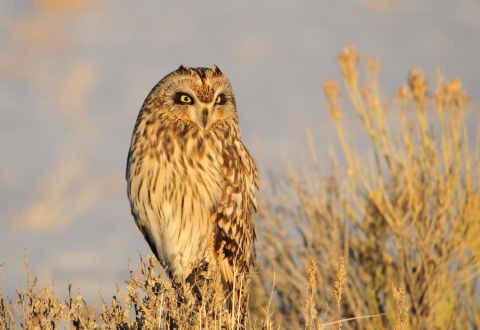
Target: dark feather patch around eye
183,98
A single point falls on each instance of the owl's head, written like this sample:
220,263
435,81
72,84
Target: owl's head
200,97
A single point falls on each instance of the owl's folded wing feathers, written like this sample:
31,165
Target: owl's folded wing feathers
234,217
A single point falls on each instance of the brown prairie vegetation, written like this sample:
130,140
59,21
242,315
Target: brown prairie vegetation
387,242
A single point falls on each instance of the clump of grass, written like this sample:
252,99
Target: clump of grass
39,308
151,301
161,303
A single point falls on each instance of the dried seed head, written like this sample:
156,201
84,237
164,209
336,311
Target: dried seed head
419,85
401,310
341,278
349,61
333,93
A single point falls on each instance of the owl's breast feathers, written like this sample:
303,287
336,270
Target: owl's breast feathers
190,173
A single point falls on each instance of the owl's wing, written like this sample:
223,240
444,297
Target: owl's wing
234,217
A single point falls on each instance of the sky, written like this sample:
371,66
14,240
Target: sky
74,74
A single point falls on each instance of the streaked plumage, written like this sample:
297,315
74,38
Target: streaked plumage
189,175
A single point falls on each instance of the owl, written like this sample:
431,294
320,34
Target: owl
191,178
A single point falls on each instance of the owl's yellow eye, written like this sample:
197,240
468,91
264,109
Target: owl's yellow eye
220,99
185,99
182,98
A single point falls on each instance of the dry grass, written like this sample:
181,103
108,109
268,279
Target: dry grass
403,223
407,215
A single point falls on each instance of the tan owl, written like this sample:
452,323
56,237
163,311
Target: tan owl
189,176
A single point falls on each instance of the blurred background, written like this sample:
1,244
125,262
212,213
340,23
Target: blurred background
73,75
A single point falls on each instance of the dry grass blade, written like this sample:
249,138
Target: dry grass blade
341,278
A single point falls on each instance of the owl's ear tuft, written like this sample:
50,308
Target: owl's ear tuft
216,69
183,68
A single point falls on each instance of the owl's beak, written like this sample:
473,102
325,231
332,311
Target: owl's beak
205,118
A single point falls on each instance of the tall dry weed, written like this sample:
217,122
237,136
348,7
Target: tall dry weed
407,214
